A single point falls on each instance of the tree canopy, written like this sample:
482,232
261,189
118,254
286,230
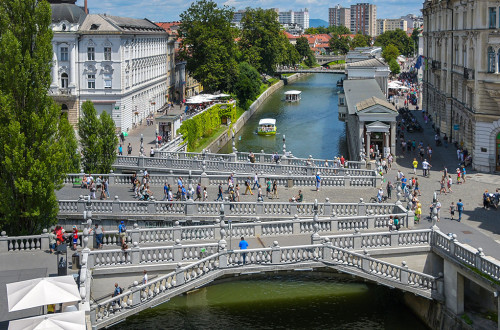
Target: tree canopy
261,41
37,144
390,52
339,43
248,84
360,40
208,44
398,38
394,66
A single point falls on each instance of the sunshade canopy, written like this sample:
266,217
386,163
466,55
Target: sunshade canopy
42,291
59,321
267,121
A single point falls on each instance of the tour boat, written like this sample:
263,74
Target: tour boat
292,96
267,126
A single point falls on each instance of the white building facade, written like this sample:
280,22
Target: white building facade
462,80
123,65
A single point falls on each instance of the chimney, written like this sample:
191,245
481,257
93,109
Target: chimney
86,8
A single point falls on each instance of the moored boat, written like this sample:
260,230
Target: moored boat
292,96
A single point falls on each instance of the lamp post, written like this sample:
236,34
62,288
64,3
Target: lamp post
284,145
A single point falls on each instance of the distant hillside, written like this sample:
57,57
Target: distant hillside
315,22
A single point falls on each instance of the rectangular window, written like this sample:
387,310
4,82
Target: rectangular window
64,54
107,81
91,81
90,54
107,53
492,17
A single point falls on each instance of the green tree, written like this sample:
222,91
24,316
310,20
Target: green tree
88,130
260,41
247,87
359,40
66,130
390,52
302,46
208,44
339,30
394,66
313,30
398,38
35,151
340,44
108,142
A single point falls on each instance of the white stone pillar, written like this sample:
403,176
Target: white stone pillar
55,68
368,156
393,138
72,69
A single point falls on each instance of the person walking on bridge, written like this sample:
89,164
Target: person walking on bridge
243,246
247,185
220,193
318,181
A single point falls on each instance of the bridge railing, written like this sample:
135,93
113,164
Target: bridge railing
228,164
128,209
207,269
469,256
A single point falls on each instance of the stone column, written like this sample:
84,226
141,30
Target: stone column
72,59
453,288
54,67
367,146
393,138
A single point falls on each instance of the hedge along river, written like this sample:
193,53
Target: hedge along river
294,301
311,126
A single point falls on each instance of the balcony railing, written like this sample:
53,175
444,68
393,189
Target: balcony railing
436,65
468,74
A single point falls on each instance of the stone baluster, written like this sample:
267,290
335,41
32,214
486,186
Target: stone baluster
334,222
190,207
178,251
4,243
259,207
111,177
327,208
135,254
44,241
327,249
222,254
293,207
404,273
261,157
371,220
479,259
134,233
136,295
80,206
394,238
452,244
347,180
296,225
179,275
410,219
357,239
141,161
115,206
217,229
365,262
361,207
258,227
177,231
276,253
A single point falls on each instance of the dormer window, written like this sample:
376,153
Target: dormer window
94,27
64,27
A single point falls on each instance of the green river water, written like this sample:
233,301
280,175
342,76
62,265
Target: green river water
296,301
311,126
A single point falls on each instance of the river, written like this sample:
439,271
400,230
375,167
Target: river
311,126
297,301
305,301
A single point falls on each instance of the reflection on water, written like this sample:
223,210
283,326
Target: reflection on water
311,126
306,301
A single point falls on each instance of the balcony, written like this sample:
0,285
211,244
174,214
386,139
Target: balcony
64,91
469,74
436,65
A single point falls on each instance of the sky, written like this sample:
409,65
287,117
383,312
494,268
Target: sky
169,10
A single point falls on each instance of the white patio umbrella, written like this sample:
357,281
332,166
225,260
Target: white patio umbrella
59,321
42,291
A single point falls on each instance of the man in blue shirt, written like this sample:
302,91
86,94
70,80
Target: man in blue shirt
460,209
318,181
122,229
243,246
165,191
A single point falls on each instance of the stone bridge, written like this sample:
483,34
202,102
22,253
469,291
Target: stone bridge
311,70
324,59
360,255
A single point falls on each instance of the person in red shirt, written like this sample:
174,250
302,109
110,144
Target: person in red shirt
342,160
74,235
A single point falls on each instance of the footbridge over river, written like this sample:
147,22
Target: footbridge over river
447,265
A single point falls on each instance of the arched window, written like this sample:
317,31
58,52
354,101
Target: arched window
491,60
464,55
64,80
